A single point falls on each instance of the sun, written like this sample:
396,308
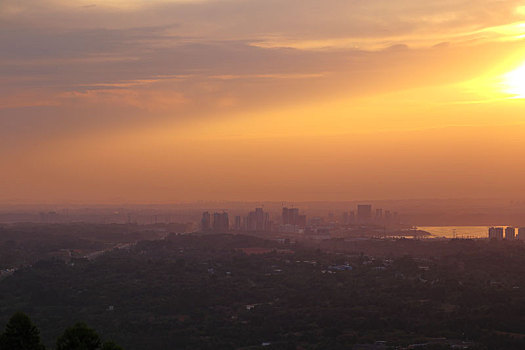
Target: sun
514,82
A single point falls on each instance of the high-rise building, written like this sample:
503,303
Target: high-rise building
379,215
237,226
285,216
510,233
221,222
301,221
294,215
521,233
267,223
499,232
496,233
364,213
206,221
251,221
258,220
290,216
345,218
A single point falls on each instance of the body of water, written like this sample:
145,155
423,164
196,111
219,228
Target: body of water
457,231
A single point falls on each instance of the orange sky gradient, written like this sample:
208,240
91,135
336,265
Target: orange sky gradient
166,101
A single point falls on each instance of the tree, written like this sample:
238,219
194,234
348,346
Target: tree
20,334
79,337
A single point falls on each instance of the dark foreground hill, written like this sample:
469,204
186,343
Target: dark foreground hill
232,292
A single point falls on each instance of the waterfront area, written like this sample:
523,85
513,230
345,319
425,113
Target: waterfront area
457,231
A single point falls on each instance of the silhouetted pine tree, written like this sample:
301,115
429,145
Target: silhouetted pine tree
20,334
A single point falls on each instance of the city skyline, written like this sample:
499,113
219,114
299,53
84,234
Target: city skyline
262,174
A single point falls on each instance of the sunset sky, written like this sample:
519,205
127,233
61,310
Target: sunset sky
150,101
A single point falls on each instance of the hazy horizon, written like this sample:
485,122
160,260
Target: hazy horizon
286,203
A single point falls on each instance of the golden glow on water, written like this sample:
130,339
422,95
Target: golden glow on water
514,82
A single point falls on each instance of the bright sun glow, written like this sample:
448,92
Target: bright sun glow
514,82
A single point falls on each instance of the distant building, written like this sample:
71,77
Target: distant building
258,220
237,226
301,221
206,221
285,216
261,219
316,221
364,213
291,218
521,234
510,233
251,222
221,222
496,233
345,218
379,215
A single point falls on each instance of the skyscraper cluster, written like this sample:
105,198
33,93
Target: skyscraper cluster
364,213
365,216
258,220
510,233
496,233
291,216
221,222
